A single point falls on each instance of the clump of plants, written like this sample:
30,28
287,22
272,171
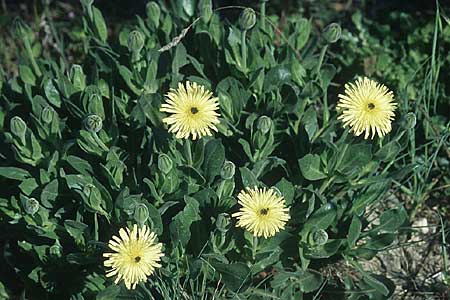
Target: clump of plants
196,157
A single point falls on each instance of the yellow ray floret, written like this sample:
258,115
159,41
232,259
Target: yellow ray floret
193,111
136,256
263,212
367,107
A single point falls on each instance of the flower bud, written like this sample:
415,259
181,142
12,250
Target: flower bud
77,77
228,170
165,163
141,213
31,206
264,124
93,123
47,114
223,222
247,19
318,238
135,41
332,33
18,128
153,12
410,120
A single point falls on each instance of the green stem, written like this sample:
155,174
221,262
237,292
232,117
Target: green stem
188,150
263,15
244,50
254,247
95,227
326,112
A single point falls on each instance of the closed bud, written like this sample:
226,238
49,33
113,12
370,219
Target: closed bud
410,120
318,238
31,206
77,77
141,213
332,33
153,13
18,128
22,29
264,124
223,222
135,41
165,163
247,19
93,123
228,170
47,114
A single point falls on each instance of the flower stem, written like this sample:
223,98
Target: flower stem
244,50
188,150
254,247
263,15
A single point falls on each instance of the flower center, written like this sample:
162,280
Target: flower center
137,259
264,211
370,106
194,110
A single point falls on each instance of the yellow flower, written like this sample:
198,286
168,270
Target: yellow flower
192,109
262,213
136,255
367,106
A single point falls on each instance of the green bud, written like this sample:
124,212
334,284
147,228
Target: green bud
47,114
165,163
135,41
77,77
264,124
228,170
18,128
332,33
318,238
153,13
410,120
31,206
23,30
223,222
93,123
247,19
141,213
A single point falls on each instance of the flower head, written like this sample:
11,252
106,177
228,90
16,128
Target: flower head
262,213
136,255
367,106
192,109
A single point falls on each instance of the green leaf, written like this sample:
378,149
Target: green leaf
110,293
214,159
309,280
26,74
354,231
322,218
248,178
76,230
79,164
391,220
287,190
356,157
389,151
100,24
52,93
380,241
49,193
28,186
309,120
310,167
180,226
14,173
233,275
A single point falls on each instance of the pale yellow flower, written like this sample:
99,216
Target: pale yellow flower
192,111
136,256
263,212
368,107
